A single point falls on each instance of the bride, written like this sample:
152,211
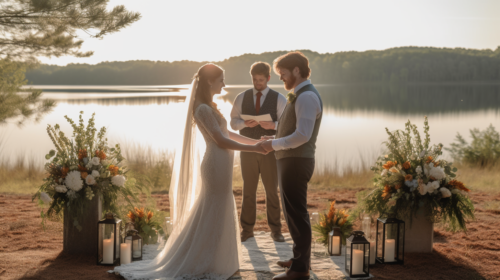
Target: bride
204,243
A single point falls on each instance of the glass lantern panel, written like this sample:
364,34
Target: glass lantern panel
137,247
366,264
348,257
401,241
380,239
358,256
390,242
117,241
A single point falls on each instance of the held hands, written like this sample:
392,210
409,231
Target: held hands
251,123
259,149
267,137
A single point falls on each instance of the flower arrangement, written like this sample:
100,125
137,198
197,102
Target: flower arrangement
81,168
412,177
147,223
335,218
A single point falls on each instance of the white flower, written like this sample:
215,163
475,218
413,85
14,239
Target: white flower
431,165
422,189
105,162
455,191
95,173
445,192
74,181
95,160
419,169
437,173
61,189
433,186
71,194
45,197
422,153
118,180
90,180
413,157
426,169
394,170
384,172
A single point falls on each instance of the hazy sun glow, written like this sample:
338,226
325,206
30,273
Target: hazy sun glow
216,30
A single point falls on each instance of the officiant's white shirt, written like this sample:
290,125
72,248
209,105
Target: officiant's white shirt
307,110
237,123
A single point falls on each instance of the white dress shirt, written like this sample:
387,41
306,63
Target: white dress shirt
307,110
237,123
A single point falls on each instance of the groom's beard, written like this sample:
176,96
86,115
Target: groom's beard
289,83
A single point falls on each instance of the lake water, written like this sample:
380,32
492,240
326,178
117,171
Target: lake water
352,131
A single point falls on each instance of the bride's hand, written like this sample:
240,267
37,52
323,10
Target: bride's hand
259,149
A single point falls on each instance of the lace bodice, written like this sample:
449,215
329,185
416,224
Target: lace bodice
210,122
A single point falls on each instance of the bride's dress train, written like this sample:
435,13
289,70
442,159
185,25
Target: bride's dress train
204,243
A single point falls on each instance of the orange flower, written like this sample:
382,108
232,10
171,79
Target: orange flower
387,192
82,168
322,224
406,165
113,169
436,163
131,216
140,212
150,215
388,165
82,154
64,172
458,185
398,186
84,175
429,160
100,154
408,177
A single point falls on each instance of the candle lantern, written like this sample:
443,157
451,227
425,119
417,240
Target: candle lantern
135,240
390,241
108,240
335,242
357,255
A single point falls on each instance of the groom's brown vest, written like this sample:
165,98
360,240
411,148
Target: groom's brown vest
287,126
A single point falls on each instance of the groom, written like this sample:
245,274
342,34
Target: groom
295,146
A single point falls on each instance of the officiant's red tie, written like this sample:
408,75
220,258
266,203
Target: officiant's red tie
257,103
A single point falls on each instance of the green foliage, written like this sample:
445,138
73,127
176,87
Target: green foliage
392,66
19,107
484,150
47,28
411,179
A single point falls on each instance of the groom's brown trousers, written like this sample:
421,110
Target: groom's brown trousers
253,164
293,175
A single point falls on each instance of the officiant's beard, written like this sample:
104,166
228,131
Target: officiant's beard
290,82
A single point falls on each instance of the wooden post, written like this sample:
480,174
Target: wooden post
419,238
84,241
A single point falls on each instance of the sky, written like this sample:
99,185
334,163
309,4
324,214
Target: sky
219,29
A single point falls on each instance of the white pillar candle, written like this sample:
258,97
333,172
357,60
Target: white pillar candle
335,245
107,251
390,249
357,262
137,249
125,253
372,252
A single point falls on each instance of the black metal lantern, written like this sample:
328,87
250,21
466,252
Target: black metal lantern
357,255
335,242
135,239
390,241
108,240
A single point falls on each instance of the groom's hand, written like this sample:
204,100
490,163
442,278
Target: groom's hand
268,145
268,125
251,123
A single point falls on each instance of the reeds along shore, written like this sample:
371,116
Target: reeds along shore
151,169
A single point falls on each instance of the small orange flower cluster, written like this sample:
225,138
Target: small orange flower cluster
64,172
131,216
84,175
389,164
408,177
150,215
82,168
113,169
331,212
100,154
406,165
387,192
428,160
342,217
458,185
139,212
82,154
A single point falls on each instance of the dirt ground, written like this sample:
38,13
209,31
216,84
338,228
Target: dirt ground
28,252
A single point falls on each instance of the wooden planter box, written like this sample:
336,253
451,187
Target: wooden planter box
419,238
84,241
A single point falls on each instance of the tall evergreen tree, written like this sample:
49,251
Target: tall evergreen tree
35,28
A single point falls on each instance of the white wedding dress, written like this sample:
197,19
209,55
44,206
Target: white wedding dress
204,243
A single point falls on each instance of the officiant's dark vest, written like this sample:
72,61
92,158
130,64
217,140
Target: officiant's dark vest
270,106
287,126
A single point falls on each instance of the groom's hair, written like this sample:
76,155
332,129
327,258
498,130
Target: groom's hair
290,61
260,68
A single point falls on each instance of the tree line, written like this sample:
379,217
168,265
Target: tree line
396,65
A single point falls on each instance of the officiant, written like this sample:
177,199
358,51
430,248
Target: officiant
258,101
